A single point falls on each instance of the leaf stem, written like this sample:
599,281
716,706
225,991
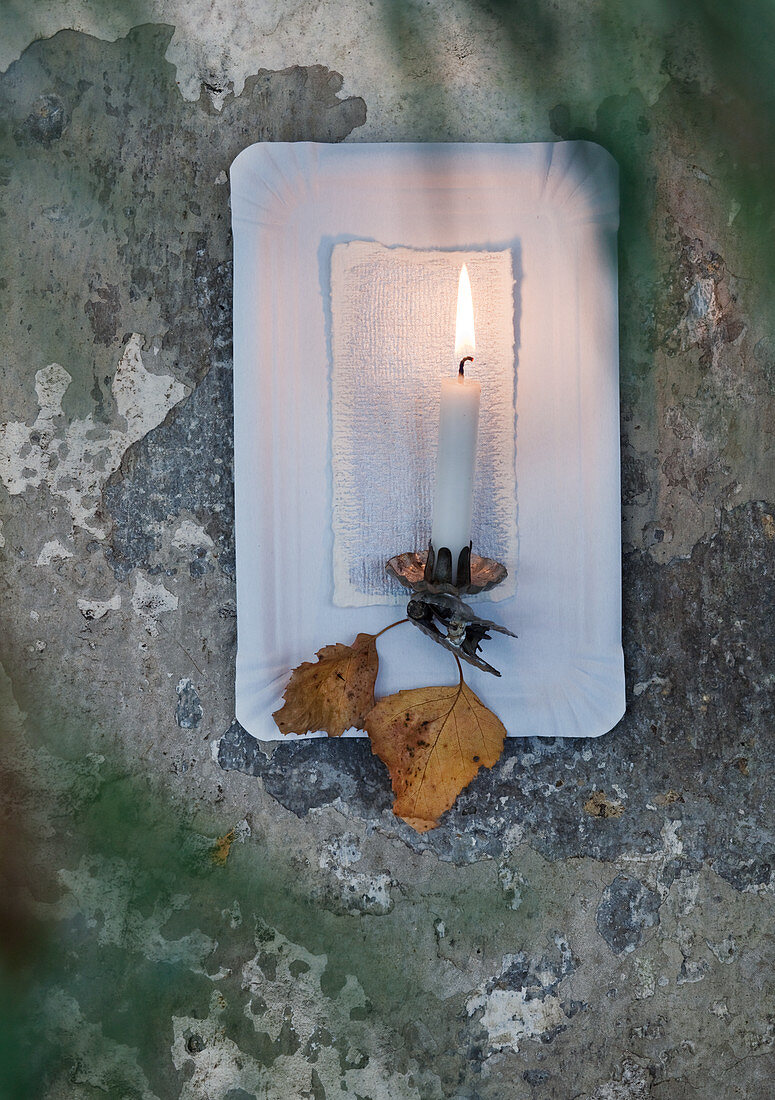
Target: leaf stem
385,629
459,668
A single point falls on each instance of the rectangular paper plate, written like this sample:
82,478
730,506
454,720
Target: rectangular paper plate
555,205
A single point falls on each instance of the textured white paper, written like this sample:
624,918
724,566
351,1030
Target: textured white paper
393,335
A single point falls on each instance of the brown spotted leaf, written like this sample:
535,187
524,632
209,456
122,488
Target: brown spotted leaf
433,741
333,693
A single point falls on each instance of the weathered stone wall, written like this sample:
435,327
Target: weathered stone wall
187,913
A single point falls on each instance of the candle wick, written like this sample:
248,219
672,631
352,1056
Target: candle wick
463,361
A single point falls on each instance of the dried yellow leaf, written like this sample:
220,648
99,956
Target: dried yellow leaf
433,741
334,693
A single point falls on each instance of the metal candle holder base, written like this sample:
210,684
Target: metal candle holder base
435,605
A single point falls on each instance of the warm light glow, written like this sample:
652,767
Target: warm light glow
464,328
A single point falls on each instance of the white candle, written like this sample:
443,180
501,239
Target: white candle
458,430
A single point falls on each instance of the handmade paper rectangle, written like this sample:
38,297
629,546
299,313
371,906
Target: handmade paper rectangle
393,333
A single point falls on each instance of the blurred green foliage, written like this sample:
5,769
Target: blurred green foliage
647,79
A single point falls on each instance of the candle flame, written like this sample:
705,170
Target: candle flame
465,343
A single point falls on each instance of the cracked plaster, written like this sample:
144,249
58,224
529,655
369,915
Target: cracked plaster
591,920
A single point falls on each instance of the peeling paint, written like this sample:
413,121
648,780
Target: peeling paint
151,600
359,891
103,893
99,1062
53,550
645,979
511,1015
190,536
75,461
523,1001
654,681
305,1028
142,398
188,712
632,1082
93,610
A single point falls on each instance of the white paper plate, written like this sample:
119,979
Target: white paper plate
556,207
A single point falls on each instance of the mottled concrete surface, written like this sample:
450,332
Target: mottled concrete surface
189,914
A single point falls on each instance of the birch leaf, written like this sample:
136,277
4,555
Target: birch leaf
433,741
333,693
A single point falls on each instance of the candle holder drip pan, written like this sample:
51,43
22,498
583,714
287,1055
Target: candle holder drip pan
409,569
